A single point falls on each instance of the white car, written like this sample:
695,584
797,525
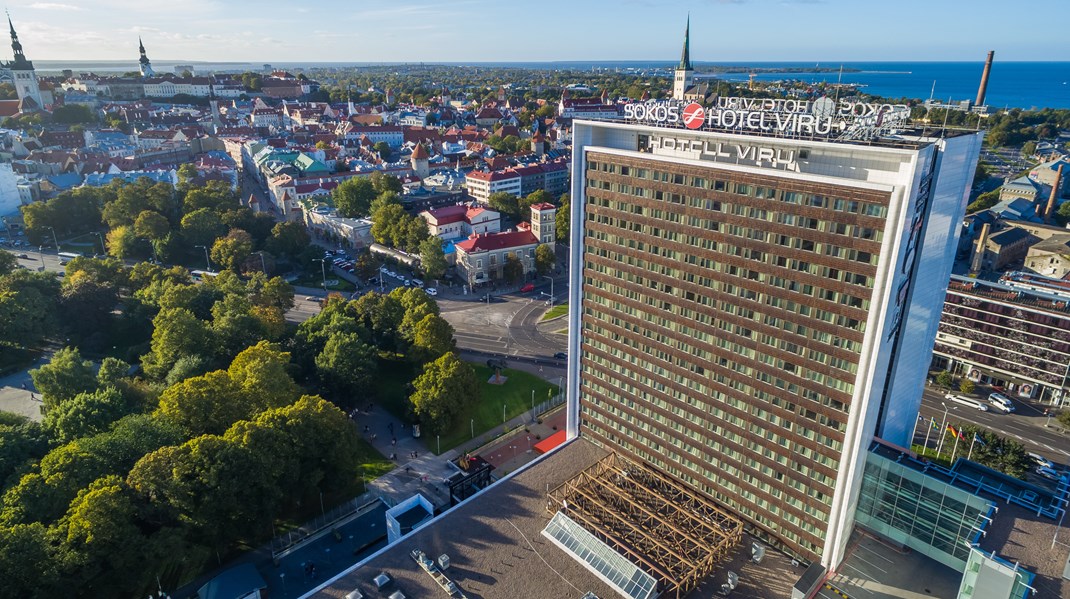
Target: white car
431,291
1041,461
392,274
1049,473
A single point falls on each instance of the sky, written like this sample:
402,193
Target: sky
544,30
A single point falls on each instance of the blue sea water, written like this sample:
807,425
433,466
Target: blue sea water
1012,84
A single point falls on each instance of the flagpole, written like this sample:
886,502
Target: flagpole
915,431
929,430
943,435
954,449
970,454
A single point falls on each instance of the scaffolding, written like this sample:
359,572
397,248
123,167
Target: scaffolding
669,530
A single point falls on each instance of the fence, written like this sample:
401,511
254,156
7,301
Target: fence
549,404
283,543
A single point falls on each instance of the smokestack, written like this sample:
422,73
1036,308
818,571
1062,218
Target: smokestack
979,254
1054,194
984,80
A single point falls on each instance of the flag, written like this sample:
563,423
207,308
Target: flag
977,439
953,432
933,422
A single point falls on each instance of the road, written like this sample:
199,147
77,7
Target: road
1025,424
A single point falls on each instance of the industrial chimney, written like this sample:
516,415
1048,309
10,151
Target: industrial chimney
984,80
979,253
1054,194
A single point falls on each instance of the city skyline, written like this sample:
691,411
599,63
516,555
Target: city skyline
482,31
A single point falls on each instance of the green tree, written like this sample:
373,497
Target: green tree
270,293
385,183
433,258
353,198
381,315
29,562
103,271
86,414
86,308
389,225
431,337
563,218
65,376
151,224
382,149
984,201
1029,148
122,242
176,333
8,263
22,443
384,199
231,251
544,259
504,202
202,227
73,113
444,389
539,196
366,266
512,269
346,366
262,373
945,379
28,303
206,404
288,239
997,452
967,386
217,196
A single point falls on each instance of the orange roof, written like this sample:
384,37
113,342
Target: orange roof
497,241
420,152
550,442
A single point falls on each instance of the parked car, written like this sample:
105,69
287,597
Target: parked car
967,401
23,257
1041,461
561,355
1001,402
431,291
417,283
1049,473
528,287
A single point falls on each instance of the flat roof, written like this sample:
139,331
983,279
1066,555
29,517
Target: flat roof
496,548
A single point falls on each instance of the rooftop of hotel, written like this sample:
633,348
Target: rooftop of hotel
497,550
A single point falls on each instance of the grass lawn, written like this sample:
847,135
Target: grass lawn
558,310
515,395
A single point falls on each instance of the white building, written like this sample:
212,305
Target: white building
461,220
482,184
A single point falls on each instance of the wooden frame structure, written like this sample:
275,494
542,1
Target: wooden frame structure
673,533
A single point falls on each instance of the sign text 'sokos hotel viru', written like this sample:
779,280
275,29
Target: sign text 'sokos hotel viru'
822,117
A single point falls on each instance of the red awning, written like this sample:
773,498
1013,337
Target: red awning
550,442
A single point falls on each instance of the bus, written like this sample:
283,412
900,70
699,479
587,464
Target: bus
200,276
65,257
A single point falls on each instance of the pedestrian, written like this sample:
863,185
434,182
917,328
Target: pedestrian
415,454
366,428
374,436
393,440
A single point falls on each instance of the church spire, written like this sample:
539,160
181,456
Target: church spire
685,56
146,66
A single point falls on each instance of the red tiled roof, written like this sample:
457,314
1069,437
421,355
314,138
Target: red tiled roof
420,152
492,176
448,214
544,206
497,241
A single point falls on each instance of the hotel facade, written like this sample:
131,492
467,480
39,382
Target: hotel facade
754,297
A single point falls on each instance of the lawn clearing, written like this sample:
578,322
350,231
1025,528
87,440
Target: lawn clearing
515,395
556,311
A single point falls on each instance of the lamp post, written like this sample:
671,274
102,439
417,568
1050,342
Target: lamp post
207,261
551,289
323,271
41,254
104,250
263,263
53,236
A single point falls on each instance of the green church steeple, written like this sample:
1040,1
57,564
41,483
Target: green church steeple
685,56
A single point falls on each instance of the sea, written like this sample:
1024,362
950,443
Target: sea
1029,85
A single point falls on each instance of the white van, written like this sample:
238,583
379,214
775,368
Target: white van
1001,402
967,401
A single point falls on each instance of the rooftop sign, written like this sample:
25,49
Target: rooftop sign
822,117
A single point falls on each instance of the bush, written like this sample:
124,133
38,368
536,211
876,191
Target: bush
944,379
1064,419
967,386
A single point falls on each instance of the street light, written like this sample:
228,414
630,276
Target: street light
53,236
207,261
323,271
551,289
104,250
263,263
41,254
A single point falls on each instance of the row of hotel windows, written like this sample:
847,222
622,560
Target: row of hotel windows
1032,316
746,294
701,353
773,519
707,242
989,339
1001,325
732,270
640,375
749,212
745,189
736,464
708,340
